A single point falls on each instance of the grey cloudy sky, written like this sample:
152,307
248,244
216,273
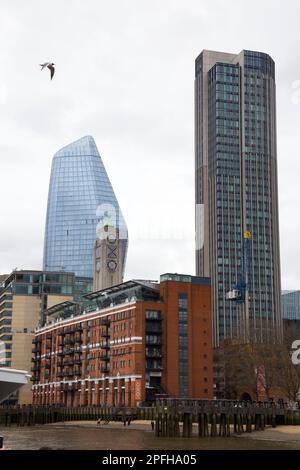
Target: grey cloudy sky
125,74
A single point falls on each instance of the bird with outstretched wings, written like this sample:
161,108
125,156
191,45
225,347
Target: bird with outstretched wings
50,66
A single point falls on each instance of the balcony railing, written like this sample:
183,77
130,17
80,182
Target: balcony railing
156,355
68,373
153,342
153,328
36,340
36,359
105,333
153,366
69,341
150,316
69,351
68,363
104,357
70,330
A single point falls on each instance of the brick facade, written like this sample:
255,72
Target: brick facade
126,354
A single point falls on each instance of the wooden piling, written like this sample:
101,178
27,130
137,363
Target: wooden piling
213,425
187,425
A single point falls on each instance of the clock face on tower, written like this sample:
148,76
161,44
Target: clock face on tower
111,238
112,265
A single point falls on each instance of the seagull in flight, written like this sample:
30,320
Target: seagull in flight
50,66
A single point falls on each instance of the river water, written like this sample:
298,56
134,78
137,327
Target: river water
93,438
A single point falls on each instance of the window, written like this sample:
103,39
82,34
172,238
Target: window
153,315
183,344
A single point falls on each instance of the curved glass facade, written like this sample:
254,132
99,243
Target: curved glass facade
80,198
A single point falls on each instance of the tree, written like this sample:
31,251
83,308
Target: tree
263,370
238,369
289,372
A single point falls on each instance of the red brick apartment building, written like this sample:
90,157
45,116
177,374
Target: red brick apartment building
127,344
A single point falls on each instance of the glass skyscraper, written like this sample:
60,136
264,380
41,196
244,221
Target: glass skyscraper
80,199
236,190
291,305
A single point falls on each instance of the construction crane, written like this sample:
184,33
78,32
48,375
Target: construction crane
238,293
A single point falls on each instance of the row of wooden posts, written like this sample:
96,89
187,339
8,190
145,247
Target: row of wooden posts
31,415
169,418
210,425
212,418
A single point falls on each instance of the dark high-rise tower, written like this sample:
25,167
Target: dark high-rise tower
80,199
236,191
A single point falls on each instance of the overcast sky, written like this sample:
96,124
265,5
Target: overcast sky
125,75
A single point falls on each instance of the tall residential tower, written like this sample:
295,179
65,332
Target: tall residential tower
236,191
80,198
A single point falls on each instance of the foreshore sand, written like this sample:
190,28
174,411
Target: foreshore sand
88,435
136,424
278,434
289,434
